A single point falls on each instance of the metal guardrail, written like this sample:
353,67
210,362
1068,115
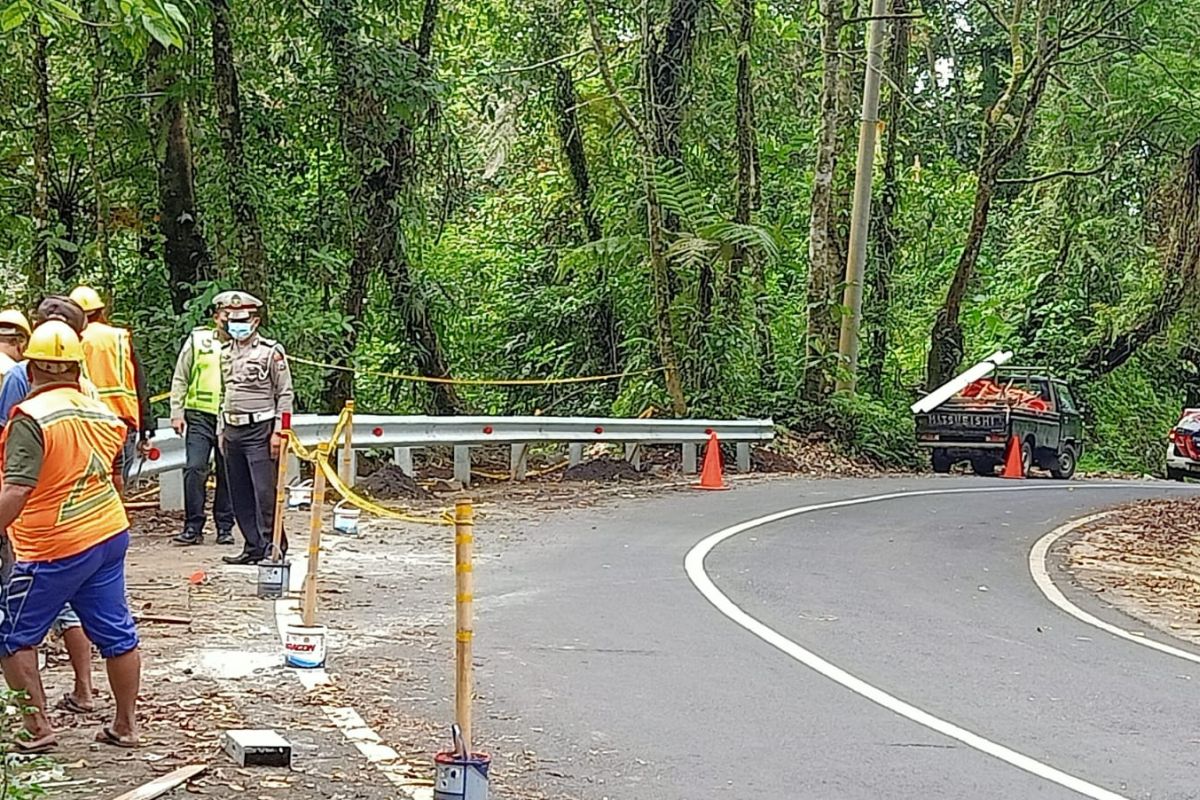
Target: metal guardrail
372,431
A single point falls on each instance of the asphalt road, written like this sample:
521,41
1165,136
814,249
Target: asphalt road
630,684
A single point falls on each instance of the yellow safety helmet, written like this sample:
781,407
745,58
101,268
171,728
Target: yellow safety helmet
54,341
87,298
12,318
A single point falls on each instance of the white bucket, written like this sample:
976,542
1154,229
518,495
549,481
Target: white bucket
304,647
345,519
299,495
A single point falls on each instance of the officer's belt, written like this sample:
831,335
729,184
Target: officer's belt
240,420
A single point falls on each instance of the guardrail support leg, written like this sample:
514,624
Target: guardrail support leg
743,456
633,454
402,456
170,491
462,464
574,453
519,461
293,468
689,458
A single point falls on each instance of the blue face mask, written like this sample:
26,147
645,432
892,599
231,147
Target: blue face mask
240,330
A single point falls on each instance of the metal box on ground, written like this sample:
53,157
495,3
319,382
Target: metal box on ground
258,748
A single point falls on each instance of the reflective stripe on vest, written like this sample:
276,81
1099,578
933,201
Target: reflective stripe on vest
75,504
109,358
204,383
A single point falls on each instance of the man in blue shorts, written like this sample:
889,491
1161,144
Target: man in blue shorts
60,457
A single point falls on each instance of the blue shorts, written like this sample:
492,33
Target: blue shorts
66,619
93,582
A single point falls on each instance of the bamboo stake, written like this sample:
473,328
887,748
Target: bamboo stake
347,455
280,494
464,523
314,537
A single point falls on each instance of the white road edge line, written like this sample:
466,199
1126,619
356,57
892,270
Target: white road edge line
694,565
1041,576
369,743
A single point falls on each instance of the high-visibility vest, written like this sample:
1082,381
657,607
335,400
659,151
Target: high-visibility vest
109,356
75,504
204,383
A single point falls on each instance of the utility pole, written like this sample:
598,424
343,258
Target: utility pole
860,215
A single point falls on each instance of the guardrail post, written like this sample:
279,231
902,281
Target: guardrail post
633,454
743,456
402,457
689,458
574,453
293,468
462,465
519,461
170,491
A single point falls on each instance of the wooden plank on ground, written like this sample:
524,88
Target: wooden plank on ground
164,783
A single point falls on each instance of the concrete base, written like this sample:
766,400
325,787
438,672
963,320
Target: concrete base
402,456
462,465
258,748
170,491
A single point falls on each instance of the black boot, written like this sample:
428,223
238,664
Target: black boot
242,558
188,538
225,537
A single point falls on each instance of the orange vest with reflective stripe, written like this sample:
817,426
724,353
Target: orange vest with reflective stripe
75,504
109,364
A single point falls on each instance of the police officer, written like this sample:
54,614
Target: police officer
195,404
257,385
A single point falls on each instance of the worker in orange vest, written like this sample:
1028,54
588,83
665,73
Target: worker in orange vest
111,364
60,500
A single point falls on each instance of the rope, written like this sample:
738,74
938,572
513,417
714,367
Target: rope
358,501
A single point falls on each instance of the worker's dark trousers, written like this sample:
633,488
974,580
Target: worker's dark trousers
252,475
200,442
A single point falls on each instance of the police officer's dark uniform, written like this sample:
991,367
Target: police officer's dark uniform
257,387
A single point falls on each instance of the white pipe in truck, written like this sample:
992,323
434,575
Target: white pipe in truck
952,387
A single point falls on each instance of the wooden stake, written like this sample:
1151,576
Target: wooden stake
464,537
280,495
347,455
314,537
164,783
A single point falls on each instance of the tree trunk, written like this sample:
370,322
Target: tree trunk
876,319
99,195
384,173
1181,267
39,266
570,135
252,253
184,250
825,267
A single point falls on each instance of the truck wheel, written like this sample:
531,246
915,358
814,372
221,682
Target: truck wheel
1064,467
983,466
941,461
1026,458
1175,474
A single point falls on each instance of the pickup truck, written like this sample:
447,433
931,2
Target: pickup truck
977,424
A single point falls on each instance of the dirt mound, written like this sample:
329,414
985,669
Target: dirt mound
603,469
389,482
763,460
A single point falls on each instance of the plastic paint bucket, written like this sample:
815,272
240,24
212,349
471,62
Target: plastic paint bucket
304,647
461,777
273,577
299,495
345,519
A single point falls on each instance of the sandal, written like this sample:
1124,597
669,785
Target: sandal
68,703
107,735
33,747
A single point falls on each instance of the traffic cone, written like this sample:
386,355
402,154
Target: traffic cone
712,474
1014,464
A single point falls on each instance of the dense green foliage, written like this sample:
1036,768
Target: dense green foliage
455,187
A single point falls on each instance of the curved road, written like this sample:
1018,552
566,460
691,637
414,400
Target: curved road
633,685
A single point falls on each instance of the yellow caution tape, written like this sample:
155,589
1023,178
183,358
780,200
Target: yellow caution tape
479,381
158,398
464,636
358,501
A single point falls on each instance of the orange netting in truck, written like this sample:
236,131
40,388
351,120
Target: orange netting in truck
988,390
